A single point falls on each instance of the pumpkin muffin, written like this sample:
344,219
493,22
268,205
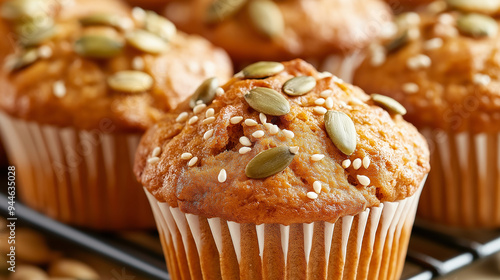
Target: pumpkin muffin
284,171
329,33
85,80
445,68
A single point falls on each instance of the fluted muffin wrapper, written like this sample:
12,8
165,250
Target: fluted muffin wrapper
79,177
342,66
369,245
463,188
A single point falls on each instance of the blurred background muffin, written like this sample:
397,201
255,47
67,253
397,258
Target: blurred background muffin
84,81
445,68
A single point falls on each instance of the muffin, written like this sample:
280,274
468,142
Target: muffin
329,33
444,68
262,184
84,82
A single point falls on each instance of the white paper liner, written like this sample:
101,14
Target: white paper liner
464,183
79,177
342,66
369,245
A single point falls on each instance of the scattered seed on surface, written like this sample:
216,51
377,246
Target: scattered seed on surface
222,176
346,163
389,104
317,157
269,162
182,117
138,63
366,162
95,46
146,41
193,120
267,18
250,122
312,195
210,113
156,152
262,118
186,156
45,51
319,101
192,161
205,92
267,101
294,150
341,131
153,160
219,91
245,141
236,120
326,93
410,88
198,108
59,89
274,130
244,150
317,187
130,81
208,120
208,134
300,85
433,44
261,70
477,25
481,79
288,133
258,134
221,10
363,180
320,110
329,103
418,62
356,164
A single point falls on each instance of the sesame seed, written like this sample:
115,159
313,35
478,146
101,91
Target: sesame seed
222,176
210,113
317,157
319,101
219,91
258,134
236,120
434,43
346,163
192,161
481,79
388,30
250,122
245,141
356,101
193,120
324,74
329,103
418,62
156,152
138,63
208,120
186,156
312,195
366,162
198,102
320,110
274,130
198,108
288,133
378,55
413,33
294,150
59,89
45,51
139,14
410,88
244,150
356,163
317,186
153,160
412,18
326,93
437,7
208,134
446,19
363,180
262,118
182,117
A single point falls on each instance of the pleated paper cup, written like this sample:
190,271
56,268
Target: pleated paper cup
463,188
83,178
369,245
342,66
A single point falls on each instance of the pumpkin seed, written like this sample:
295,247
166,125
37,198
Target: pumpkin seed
72,269
478,6
146,41
95,46
341,131
267,101
130,81
299,85
205,92
389,104
266,17
262,69
220,10
477,25
107,20
399,41
159,26
269,162
25,59
35,35
21,9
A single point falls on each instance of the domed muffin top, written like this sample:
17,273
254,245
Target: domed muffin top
282,143
443,66
77,63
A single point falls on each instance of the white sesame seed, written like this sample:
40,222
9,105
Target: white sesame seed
153,160
156,152
236,120
59,89
245,141
326,93
138,14
324,74
198,108
320,110
193,120
378,55
198,102
182,117
356,101
433,44
262,118
388,30
366,162
319,101
363,180
208,134
258,134
138,63
418,62
45,51
337,80
413,33
410,88
317,157
317,186
222,176
186,156
244,150
126,23
192,161
356,163
346,163
219,91
250,122
294,150
210,113
437,7
312,195
288,133
329,103
412,18
481,79
208,120
274,130
446,19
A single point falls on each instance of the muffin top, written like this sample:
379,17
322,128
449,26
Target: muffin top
77,63
252,30
256,154
443,66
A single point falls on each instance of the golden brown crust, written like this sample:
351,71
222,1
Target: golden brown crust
29,93
313,29
399,157
457,91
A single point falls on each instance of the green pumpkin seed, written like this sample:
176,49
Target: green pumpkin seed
95,46
399,41
341,130
25,59
221,10
299,85
22,9
159,26
130,81
146,41
477,6
267,101
266,17
107,20
35,35
389,104
477,25
205,92
269,162
262,69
